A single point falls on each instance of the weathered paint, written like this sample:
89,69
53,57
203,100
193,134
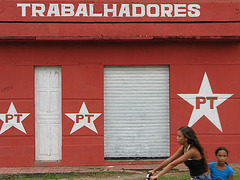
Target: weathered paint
62,41
217,20
188,63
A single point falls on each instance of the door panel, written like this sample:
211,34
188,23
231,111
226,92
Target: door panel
48,113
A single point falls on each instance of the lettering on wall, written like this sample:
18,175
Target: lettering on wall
83,118
13,119
205,103
108,10
6,89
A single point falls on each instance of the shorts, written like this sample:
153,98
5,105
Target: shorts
205,177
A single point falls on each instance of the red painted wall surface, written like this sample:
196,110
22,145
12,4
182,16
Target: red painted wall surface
82,81
218,19
223,79
123,41
17,86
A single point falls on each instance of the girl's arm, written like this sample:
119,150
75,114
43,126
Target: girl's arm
168,160
230,177
171,165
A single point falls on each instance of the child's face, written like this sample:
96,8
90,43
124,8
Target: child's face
222,156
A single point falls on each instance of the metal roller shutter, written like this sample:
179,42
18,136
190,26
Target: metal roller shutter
136,111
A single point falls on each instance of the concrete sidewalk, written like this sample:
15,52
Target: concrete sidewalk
79,169
86,169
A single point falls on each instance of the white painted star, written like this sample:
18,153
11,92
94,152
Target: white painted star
83,118
205,103
13,119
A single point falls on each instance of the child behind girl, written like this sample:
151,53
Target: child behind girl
220,169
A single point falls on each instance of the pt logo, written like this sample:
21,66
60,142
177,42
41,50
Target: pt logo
13,119
205,103
83,118
203,100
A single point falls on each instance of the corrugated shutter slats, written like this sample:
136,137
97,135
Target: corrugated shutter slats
136,111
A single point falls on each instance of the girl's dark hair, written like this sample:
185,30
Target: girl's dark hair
193,141
220,149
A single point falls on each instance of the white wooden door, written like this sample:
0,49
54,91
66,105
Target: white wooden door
48,113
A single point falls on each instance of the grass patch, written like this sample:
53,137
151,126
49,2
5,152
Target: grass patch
73,175
236,175
121,175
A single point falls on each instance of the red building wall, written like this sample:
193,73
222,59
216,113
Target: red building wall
82,81
82,46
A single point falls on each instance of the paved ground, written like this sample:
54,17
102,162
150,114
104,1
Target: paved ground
85,169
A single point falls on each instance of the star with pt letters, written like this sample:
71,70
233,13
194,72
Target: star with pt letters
205,103
13,119
83,118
